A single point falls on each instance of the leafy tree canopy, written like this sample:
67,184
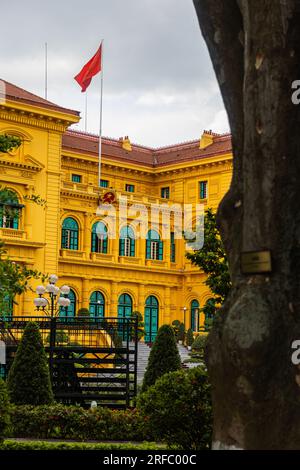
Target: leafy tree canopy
212,260
8,142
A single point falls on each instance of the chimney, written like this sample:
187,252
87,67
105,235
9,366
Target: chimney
206,140
126,144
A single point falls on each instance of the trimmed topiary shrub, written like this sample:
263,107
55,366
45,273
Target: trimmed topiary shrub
199,344
177,409
4,410
164,356
189,337
181,332
29,379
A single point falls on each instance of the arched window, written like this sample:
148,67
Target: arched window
124,311
10,209
99,238
154,246
97,304
69,237
70,312
151,318
127,242
195,315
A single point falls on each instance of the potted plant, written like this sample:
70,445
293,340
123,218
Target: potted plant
189,338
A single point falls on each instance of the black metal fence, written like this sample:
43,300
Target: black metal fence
90,359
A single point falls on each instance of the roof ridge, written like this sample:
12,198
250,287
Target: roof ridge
33,98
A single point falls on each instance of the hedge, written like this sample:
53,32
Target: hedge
73,422
40,445
177,409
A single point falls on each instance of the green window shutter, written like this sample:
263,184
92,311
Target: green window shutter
173,247
203,189
104,183
76,178
132,247
160,250
148,249
122,247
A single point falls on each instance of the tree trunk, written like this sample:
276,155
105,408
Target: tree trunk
255,50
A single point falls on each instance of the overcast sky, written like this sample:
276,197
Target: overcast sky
159,86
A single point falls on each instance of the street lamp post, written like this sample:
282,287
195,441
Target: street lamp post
184,312
197,319
58,297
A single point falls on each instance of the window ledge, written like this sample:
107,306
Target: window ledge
65,253
101,257
129,260
156,262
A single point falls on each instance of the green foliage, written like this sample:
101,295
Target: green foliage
164,356
181,332
29,378
14,280
212,260
176,324
177,409
83,312
189,337
199,344
36,198
46,446
59,421
4,410
141,325
8,142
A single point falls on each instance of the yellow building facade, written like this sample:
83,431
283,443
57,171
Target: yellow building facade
115,275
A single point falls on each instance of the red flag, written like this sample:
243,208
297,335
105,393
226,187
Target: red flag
89,70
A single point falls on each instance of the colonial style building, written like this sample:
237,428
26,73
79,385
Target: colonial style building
108,275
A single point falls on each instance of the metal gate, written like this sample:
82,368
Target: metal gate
90,359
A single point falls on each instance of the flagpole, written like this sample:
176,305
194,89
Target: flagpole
100,124
86,112
46,70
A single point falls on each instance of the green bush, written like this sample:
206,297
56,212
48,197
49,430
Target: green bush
73,422
177,409
199,344
175,325
164,356
40,445
181,332
4,410
189,337
29,379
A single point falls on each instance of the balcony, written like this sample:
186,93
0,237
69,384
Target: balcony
12,233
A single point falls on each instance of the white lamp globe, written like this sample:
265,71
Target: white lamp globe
67,302
61,301
53,278
50,288
43,302
37,302
56,290
65,290
40,290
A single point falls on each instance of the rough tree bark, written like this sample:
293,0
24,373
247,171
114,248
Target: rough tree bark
255,49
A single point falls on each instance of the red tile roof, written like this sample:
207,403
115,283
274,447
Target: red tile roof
15,93
152,157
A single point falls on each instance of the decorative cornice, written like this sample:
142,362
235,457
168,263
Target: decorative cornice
11,163
33,119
